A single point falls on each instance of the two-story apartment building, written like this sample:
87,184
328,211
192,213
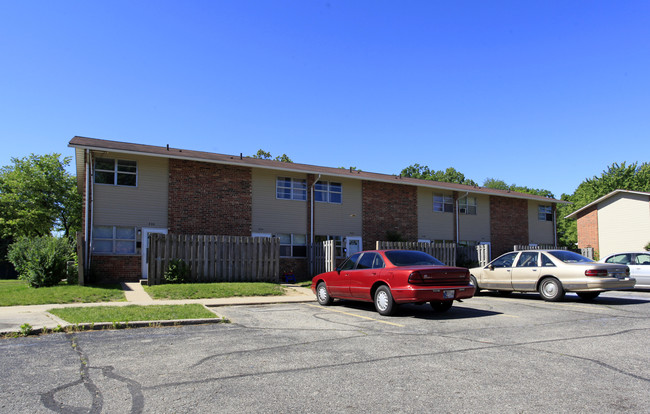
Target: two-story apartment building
131,190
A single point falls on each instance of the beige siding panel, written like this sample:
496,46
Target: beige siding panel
142,206
623,223
539,232
433,225
476,227
271,215
343,219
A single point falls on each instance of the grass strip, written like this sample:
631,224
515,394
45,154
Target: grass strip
18,293
213,290
130,313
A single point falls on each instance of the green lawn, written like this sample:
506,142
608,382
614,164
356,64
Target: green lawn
132,313
213,290
18,292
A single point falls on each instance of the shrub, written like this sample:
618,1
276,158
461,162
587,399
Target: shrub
41,261
647,247
178,272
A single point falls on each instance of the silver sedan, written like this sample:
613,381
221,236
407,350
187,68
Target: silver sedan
639,264
552,273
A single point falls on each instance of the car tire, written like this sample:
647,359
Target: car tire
588,295
442,306
473,282
551,290
322,295
384,303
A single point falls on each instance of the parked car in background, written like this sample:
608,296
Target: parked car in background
392,277
552,273
639,264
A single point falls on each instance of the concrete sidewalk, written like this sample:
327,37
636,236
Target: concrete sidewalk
38,317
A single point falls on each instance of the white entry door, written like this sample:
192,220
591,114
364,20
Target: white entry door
352,246
145,247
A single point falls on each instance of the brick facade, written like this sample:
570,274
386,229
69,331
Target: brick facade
508,223
117,268
587,225
388,207
207,198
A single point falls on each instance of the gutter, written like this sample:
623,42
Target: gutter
311,256
458,217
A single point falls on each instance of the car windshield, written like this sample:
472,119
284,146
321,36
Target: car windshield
569,257
412,258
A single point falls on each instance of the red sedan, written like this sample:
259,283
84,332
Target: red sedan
391,277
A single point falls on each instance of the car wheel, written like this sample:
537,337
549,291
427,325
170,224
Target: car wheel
588,295
473,282
384,302
322,295
443,306
551,289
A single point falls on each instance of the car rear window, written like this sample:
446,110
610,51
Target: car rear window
412,258
569,257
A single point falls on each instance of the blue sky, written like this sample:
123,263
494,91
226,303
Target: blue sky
536,93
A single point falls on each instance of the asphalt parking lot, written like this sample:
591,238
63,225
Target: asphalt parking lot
487,354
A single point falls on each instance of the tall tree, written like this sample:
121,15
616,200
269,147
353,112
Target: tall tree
264,155
501,185
450,175
38,196
631,177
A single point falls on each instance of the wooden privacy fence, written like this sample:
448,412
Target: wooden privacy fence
445,252
324,257
483,254
215,258
518,247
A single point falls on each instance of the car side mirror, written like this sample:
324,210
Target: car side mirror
338,270
491,267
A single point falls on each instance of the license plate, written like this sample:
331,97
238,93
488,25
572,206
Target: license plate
448,294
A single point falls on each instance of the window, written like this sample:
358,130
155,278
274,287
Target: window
116,172
338,243
527,259
350,262
546,262
328,192
113,240
293,245
370,261
467,205
545,213
624,258
291,188
505,261
443,203
642,259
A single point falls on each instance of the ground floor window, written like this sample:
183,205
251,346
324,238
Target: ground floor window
293,245
113,240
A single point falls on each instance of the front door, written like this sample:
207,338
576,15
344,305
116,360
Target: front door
352,246
145,247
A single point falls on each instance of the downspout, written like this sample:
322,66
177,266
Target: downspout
554,227
86,263
458,218
92,207
311,241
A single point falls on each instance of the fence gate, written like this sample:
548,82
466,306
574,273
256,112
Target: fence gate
324,257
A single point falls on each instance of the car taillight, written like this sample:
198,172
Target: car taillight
416,278
596,272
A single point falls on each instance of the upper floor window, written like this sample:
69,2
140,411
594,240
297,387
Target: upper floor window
328,192
545,213
443,203
116,172
467,205
291,188
338,243
114,240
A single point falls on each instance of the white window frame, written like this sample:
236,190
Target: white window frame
467,205
330,191
544,212
297,188
116,240
445,203
293,244
117,171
